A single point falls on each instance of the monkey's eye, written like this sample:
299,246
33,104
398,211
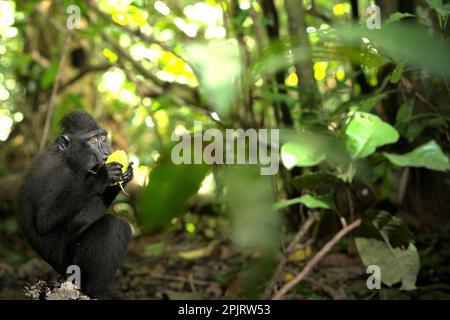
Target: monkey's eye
103,138
94,140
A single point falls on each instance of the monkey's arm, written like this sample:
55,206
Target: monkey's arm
62,201
111,192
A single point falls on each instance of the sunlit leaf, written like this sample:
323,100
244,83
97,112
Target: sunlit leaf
300,154
397,16
428,155
366,132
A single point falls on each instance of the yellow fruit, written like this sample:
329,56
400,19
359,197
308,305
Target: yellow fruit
121,157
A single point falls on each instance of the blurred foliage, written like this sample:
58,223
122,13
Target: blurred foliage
147,70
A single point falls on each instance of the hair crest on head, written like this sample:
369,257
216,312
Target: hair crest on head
78,121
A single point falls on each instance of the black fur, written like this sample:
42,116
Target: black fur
63,208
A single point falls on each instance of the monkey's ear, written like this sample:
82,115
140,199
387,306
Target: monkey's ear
63,143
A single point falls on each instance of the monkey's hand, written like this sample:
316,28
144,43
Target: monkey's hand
114,172
127,175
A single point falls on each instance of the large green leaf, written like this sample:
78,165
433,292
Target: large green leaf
399,43
384,240
428,155
396,265
170,185
366,132
301,154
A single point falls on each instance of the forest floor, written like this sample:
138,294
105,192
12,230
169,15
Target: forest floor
181,265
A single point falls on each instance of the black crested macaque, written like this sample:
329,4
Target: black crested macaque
63,205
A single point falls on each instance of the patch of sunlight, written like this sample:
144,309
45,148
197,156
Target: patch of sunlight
4,94
6,15
138,51
18,116
120,17
244,4
128,97
6,123
208,185
111,56
320,70
180,130
161,118
140,18
190,227
291,80
162,8
341,9
189,29
215,33
149,122
204,13
166,76
140,174
340,74
112,81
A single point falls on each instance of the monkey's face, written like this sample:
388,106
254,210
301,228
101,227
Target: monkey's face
99,147
86,150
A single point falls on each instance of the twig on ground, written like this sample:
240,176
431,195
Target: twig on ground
313,262
290,249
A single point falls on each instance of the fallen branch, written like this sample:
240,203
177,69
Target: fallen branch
290,249
315,260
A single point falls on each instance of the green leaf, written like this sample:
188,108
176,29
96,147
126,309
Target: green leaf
170,186
397,73
399,43
397,16
428,155
301,154
366,132
441,9
405,111
396,265
309,201
311,180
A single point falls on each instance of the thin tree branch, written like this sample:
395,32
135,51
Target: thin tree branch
142,91
315,260
133,32
51,103
409,86
82,73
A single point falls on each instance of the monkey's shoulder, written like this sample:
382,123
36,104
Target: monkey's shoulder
46,171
